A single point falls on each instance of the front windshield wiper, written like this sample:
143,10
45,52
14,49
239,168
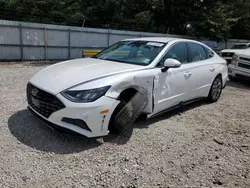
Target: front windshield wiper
115,60
121,61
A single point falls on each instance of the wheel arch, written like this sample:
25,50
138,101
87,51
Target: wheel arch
133,101
129,92
219,75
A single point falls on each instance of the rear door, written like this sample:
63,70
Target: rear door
201,70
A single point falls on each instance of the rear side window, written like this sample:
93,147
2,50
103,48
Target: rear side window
209,53
196,52
177,51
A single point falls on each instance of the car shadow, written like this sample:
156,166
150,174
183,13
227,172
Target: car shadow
240,84
120,139
142,124
30,131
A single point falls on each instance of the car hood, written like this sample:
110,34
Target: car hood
244,52
61,76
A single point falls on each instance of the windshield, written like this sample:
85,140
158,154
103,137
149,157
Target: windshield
132,52
240,46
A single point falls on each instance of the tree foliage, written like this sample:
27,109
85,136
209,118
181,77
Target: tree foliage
213,19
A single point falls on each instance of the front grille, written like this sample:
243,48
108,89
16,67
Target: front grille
227,54
42,102
244,59
244,65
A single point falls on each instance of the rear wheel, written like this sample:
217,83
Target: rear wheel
215,90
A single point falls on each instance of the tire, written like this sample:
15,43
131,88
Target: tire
114,126
127,112
215,91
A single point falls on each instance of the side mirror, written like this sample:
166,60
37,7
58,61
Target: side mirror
170,63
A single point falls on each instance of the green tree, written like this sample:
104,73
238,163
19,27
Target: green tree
214,19
215,22
242,28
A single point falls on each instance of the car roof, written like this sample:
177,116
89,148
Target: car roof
158,39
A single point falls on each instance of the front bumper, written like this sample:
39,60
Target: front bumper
237,71
93,123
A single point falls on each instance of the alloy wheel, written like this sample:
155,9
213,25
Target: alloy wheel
216,88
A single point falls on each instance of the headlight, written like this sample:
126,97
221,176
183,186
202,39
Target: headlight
234,60
85,95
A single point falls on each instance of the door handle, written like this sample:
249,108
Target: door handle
188,74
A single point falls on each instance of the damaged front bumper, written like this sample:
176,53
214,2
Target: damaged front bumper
87,119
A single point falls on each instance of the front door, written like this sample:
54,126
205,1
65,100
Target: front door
170,87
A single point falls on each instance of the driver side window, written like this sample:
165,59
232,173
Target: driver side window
177,51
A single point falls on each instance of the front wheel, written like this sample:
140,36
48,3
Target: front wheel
126,113
216,89
116,126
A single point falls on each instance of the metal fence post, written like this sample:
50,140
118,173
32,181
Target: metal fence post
69,45
108,38
21,40
46,43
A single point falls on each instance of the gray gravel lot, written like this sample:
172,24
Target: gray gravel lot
206,146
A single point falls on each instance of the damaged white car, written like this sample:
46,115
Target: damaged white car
108,92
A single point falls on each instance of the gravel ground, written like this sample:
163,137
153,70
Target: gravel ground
206,146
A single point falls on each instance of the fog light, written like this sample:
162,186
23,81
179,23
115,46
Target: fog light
77,122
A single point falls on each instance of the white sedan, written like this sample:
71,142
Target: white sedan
107,92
